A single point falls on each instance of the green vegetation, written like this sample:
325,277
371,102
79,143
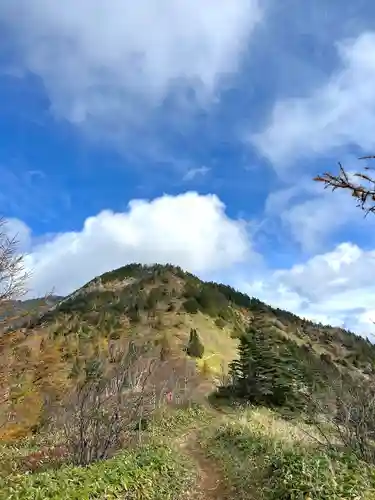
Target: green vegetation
276,460
98,376
265,373
153,472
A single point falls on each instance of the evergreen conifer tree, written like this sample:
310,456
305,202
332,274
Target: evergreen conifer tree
195,348
264,372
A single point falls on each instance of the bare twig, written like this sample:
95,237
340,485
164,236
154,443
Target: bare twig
351,421
364,191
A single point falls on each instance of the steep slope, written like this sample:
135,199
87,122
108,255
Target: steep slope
162,305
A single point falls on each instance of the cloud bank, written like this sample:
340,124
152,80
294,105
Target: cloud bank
334,287
193,231
189,230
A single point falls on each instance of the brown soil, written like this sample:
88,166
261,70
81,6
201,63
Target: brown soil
211,484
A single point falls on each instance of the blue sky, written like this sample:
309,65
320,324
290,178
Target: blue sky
189,133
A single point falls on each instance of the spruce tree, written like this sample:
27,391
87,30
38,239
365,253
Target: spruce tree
195,348
264,372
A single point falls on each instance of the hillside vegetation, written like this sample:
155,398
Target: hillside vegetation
104,394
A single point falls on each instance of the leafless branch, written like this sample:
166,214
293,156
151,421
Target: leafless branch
351,420
13,276
108,403
363,191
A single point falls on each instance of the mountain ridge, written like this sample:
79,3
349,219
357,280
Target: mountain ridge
133,288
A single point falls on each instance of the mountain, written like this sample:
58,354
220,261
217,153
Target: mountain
166,306
103,394
178,301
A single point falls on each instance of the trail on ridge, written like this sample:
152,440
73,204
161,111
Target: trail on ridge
211,484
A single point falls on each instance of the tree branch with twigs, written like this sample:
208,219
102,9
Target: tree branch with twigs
347,420
363,191
13,276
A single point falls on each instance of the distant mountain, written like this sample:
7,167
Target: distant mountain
23,310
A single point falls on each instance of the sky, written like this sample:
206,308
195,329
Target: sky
186,132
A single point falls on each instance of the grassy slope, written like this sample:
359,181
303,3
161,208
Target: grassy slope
155,469
199,453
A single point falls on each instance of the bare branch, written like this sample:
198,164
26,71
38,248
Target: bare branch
363,191
352,418
13,276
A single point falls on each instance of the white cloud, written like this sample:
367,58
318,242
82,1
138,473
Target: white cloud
339,113
192,173
189,230
194,231
20,232
314,217
107,64
335,288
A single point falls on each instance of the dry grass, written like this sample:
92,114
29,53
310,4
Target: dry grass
266,457
269,423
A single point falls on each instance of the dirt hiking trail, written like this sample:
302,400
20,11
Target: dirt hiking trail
210,484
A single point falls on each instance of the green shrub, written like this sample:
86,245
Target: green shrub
191,306
154,472
319,476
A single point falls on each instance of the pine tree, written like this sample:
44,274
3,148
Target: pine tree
195,348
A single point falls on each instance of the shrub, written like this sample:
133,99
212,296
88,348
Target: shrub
351,415
326,357
191,306
320,476
106,403
274,470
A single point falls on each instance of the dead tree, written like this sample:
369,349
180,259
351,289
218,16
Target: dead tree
13,277
363,191
108,402
13,281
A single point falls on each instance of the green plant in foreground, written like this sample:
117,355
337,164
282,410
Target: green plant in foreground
295,474
154,473
256,462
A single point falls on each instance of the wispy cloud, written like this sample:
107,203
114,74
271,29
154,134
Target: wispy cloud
314,217
30,193
335,115
110,66
195,172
